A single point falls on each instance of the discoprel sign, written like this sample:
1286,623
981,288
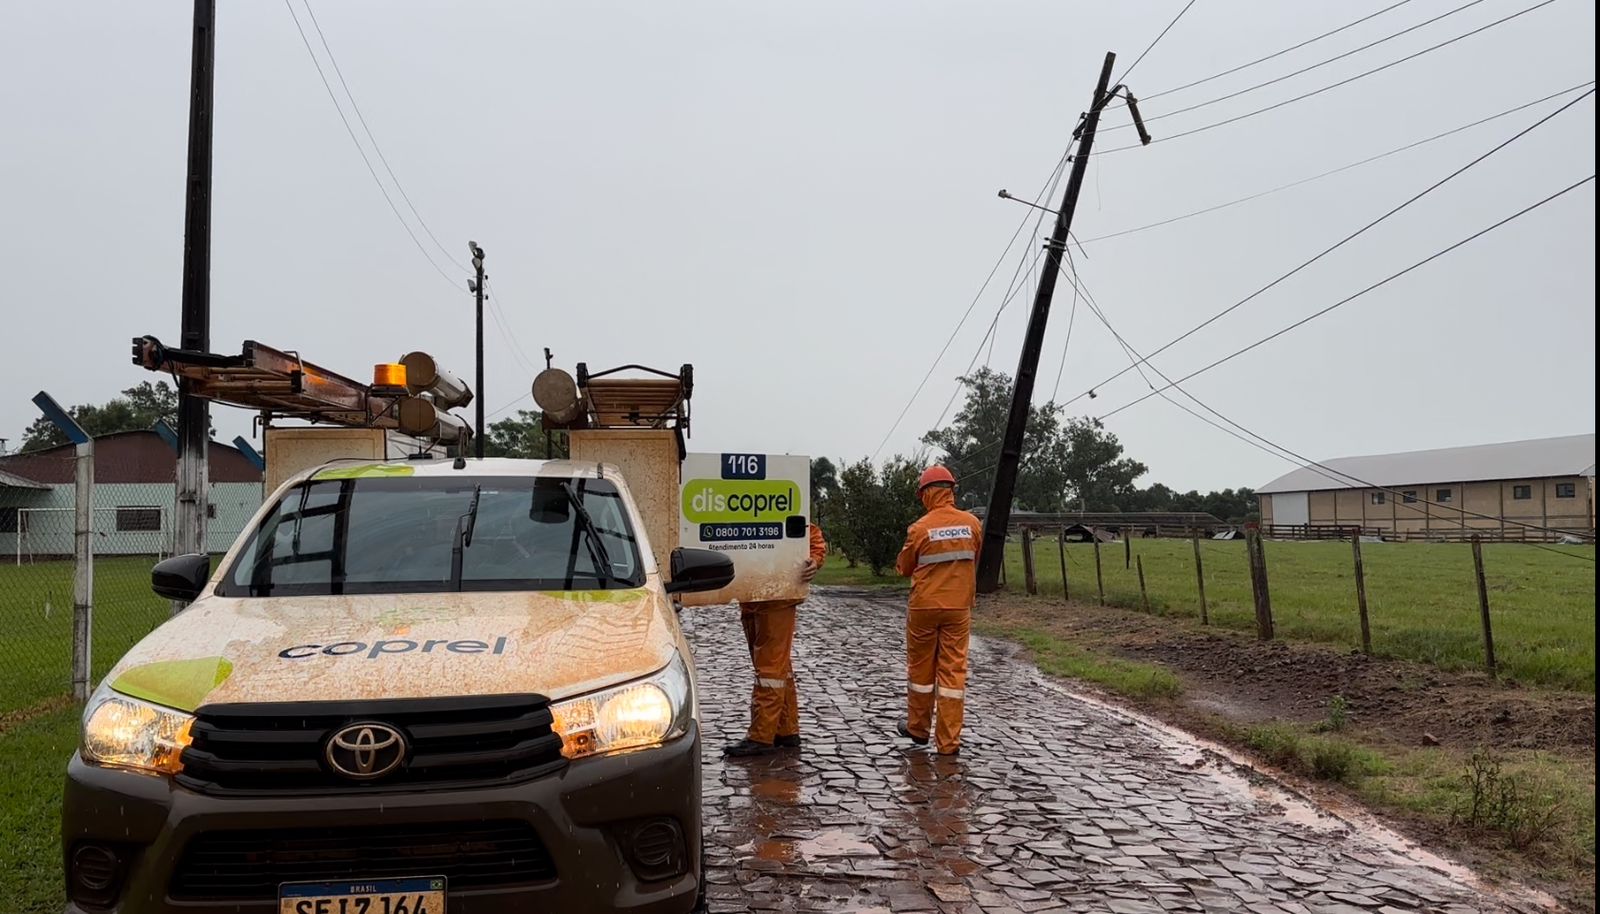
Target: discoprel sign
754,508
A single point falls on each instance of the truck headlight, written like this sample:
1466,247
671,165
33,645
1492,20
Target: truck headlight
129,733
645,712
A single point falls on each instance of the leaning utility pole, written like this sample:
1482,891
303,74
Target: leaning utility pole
998,517
194,413
477,288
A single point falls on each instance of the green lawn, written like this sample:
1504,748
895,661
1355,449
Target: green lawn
1421,597
36,616
34,756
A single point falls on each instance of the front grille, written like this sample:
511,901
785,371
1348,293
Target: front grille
249,865
451,742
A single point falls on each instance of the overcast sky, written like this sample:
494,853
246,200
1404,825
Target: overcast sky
800,200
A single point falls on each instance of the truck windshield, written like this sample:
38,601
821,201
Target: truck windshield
434,534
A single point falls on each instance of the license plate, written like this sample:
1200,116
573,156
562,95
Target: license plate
423,895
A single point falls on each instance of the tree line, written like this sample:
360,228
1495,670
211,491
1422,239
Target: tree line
1070,464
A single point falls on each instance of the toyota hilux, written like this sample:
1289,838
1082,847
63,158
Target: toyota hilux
414,687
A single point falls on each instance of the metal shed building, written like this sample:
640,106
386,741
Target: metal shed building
1507,489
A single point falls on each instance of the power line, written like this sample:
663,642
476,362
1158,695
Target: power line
1344,301
1307,69
1260,442
1342,168
1347,239
1012,288
1128,72
1342,82
374,140
1275,54
1049,183
365,160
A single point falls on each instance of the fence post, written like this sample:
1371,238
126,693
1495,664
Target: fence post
83,573
1099,578
1200,581
1144,595
1361,595
1483,605
1258,584
82,542
1127,549
1030,581
1061,547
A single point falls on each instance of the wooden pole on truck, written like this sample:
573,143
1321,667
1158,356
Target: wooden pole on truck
1029,579
1099,578
1200,581
1061,547
1144,595
1361,595
1483,606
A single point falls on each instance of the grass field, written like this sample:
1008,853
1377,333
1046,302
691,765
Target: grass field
36,616
34,756
1421,597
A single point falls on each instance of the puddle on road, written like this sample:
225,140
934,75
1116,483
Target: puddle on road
837,843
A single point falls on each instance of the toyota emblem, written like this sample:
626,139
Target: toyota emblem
365,751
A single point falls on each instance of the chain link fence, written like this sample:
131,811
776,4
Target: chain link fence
133,528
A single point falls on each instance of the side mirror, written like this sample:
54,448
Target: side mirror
181,577
699,570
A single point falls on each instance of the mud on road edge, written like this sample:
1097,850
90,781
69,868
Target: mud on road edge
1231,684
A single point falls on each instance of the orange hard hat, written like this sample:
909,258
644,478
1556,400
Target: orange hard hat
935,475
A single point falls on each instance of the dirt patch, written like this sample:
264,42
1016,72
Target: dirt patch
21,716
1400,702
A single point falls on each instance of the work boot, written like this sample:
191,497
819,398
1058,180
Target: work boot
904,730
747,748
955,751
792,741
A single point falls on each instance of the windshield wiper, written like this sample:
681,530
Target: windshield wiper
463,537
597,548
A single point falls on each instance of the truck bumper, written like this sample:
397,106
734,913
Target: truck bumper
590,819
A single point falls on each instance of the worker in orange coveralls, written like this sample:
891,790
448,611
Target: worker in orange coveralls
769,632
941,558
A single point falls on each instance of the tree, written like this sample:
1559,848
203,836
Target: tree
522,436
139,407
971,446
1064,465
875,508
1096,475
824,486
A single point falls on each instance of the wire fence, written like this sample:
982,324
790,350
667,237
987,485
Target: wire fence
133,528
1534,614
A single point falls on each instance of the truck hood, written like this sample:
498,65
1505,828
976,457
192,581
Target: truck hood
285,649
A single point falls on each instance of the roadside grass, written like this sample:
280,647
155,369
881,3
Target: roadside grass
836,572
33,755
36,616
1422,597
1536,808
1061,658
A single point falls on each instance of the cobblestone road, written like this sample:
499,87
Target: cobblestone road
1056,803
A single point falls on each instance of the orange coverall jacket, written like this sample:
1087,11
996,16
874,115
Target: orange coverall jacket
941,554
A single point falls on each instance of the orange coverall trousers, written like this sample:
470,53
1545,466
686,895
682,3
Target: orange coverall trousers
936,674
774,705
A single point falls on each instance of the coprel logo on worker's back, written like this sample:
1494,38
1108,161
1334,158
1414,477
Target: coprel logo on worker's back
754,508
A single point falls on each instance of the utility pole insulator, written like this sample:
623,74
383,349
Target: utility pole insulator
992,557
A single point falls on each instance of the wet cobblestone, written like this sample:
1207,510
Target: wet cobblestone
1056,804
